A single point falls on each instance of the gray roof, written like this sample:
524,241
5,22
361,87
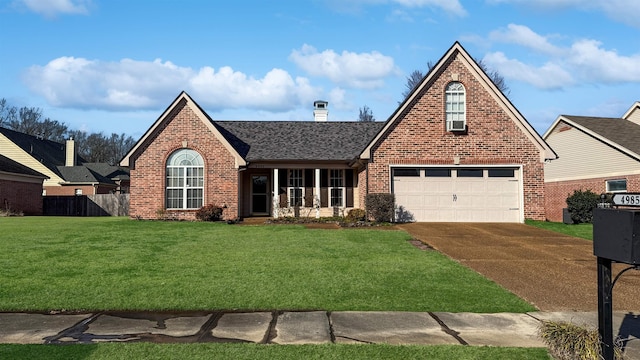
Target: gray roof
50,153
298,140
10,166
620,131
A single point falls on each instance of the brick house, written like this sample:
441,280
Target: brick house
455,150
66,172
595,153
20,188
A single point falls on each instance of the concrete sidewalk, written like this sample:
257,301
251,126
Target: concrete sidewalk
313,327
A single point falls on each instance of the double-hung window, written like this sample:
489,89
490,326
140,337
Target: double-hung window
336,188
185,180
295,189
455,108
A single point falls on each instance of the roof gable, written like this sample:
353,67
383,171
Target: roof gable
49,153
457,51
183,97
618,133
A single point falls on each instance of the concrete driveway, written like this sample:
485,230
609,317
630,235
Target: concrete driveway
553,272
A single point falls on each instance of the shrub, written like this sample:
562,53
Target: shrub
567,341
355,215
581,204
380,207
209,213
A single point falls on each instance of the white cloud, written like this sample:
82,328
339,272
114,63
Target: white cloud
547,76
598,64
524,36
624,11
130,84
51,8
583,62
363,70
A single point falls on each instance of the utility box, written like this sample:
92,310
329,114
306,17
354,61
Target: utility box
616,235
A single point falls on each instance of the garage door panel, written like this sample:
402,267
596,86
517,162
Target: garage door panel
468,199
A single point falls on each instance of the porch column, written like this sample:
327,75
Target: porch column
275,197
316,197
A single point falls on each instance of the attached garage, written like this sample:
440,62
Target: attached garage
458,194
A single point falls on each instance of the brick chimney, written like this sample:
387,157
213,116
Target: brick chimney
70,153
320,111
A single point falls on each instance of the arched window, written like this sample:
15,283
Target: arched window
455,108
185,180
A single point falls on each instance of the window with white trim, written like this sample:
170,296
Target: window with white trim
295,189
617,185
185,180
336,188
455,107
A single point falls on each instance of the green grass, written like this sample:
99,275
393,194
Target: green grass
88,264
257,352
584,231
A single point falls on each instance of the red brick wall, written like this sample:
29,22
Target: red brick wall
149,167
20,196
556,193
420,137
71,190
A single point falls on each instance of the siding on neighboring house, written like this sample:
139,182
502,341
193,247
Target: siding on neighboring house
182,129
14,152
584,157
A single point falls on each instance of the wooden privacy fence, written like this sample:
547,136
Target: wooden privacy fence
87,205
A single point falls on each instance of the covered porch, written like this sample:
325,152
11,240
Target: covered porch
300,190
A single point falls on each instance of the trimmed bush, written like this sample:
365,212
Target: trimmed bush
380,207
581,204
209,213
355,215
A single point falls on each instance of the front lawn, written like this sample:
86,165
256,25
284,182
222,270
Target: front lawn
267,352
88,264
584,231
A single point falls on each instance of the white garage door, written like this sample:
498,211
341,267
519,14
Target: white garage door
457,194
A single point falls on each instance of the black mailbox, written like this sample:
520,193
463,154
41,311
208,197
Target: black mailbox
616,235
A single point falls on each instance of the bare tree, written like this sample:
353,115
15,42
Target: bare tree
95,147
366,115
416,77
412,81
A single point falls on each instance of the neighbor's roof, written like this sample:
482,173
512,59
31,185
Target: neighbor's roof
10,166
50,153
620,132
298,140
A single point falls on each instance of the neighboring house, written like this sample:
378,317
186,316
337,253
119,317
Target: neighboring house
68,173
455,150
20,188
595,153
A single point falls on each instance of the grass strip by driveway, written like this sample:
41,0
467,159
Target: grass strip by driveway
257,352
89,264
584,231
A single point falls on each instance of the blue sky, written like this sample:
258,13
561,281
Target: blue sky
115,65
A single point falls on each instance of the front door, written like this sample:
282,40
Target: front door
259,195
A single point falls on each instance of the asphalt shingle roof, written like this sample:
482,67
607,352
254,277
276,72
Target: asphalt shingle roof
14,167
298,140
50,153
623,132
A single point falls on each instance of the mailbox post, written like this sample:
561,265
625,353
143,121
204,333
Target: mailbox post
616,238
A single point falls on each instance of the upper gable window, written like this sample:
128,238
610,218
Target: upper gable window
185,180
455,107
